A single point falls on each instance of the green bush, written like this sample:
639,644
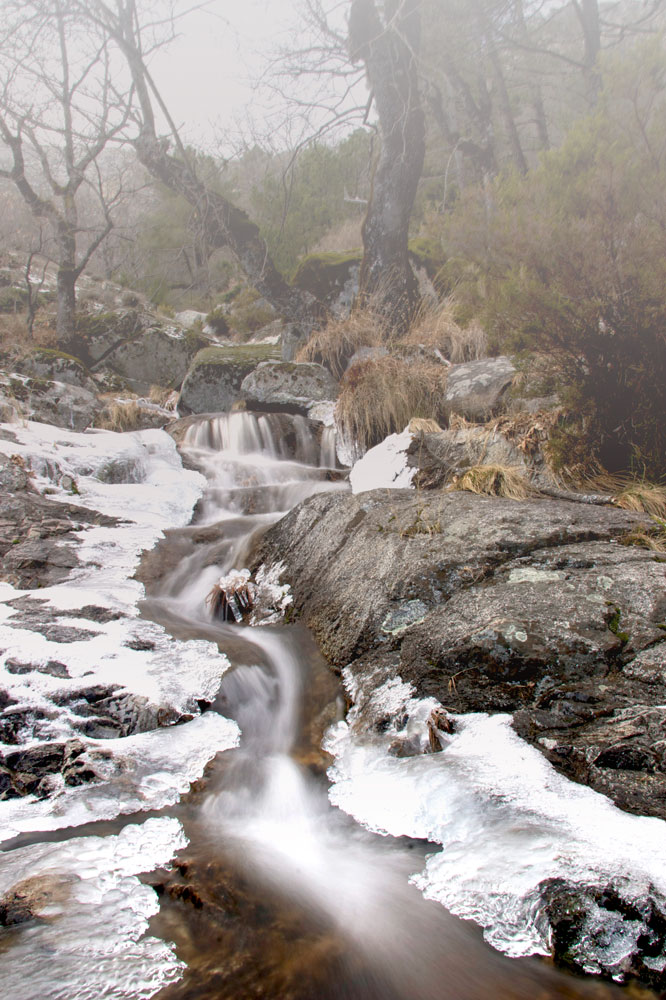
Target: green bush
570,262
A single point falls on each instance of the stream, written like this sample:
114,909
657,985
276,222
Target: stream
279,894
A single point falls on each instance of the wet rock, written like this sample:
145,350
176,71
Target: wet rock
287,386
476,389
52,667
530,607
32,771
31,898
617,930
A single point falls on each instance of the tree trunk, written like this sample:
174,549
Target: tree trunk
389,53
588,15
66,306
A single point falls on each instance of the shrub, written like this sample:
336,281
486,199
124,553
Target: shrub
380,396
334,344
217,321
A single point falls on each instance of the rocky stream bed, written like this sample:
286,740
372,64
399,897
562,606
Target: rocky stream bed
504,671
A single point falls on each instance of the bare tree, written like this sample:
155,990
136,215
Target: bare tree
388,44
59,110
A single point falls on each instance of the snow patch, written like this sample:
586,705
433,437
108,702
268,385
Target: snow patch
385,466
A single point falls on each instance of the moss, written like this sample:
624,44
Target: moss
49,356
324,274
91,325
242,355
613,622
428,253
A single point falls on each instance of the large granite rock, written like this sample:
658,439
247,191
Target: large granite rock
293,388
159,356
532,607
476,389
58,367
212,384
47,402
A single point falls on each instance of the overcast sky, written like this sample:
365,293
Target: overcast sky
206,74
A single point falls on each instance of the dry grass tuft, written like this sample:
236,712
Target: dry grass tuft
653,538
340,339
160,395
122,417
381,396
436,326
495,481
631,494
424,425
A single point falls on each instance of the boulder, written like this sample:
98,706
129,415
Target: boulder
476,389
287,386
160,356
331,277
212,384
293,337
531,607
54,365
47,402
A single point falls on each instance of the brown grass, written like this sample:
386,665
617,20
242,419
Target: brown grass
495,481
436,326
122,417
424,425
381,396
340,339
631,494
14,333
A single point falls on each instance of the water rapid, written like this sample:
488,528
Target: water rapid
324,907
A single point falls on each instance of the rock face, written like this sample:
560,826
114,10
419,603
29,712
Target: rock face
530,607
475,389
212,384
157,357
286,386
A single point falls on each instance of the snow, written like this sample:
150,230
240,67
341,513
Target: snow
385,466
505,818
137,477
84,885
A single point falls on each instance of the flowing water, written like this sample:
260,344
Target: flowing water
279,895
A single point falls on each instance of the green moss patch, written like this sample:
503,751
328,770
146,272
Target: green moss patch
324,274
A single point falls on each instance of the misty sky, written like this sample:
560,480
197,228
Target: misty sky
205,74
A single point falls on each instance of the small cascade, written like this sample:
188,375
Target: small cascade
275,435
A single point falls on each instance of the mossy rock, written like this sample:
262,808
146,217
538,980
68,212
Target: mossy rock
57,365
324,275
212,385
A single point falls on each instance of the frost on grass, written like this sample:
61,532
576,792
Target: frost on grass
506,820
74,890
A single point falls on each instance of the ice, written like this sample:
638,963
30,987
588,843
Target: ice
81,887
384,466
505,818
143,772
167,677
